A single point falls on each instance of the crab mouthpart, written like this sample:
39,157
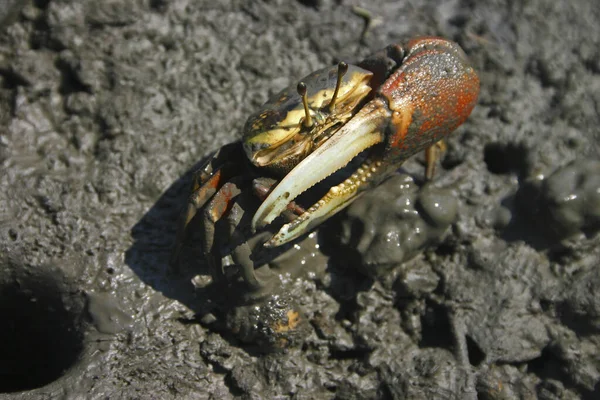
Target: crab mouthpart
364,130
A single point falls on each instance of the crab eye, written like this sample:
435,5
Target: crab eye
342,69
307,121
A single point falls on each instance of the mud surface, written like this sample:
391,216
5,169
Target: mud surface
105,108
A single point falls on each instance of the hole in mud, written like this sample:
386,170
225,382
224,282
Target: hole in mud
435,326
476,355
446,249
41,4
357,354
159,5
70,81
577,321
12,79
547,366
41,335
502,158
316,4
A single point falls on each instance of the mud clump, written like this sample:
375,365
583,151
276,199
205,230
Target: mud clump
106,314
392,224
567,202
274,325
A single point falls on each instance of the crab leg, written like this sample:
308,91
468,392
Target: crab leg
432,153
206,182
203,190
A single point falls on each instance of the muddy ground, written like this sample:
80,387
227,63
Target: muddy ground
105,108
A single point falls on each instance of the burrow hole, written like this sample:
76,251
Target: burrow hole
506,158
41,335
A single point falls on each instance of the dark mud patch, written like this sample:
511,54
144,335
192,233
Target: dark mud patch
508,158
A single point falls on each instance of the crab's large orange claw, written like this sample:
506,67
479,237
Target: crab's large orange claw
431,93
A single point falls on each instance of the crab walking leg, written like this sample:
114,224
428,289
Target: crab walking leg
218,206
203,190
206,182
360,133
432,153
334,201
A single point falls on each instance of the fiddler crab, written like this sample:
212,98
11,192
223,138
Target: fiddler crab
364,119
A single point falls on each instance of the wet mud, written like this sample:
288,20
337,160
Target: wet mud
483,283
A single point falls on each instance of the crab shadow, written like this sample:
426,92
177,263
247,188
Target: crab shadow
153,238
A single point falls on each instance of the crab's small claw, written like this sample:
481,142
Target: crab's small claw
336,199
360,133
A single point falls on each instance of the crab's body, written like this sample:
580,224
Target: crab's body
402,100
